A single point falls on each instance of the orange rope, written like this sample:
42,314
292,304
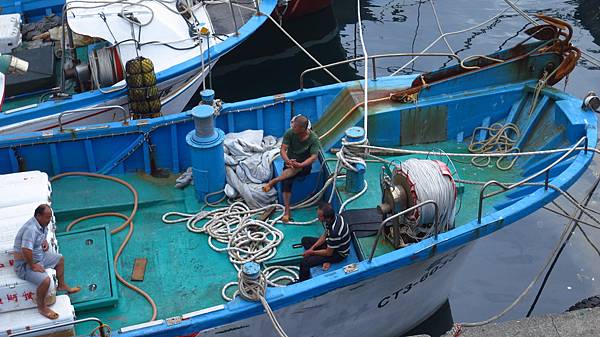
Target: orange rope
128,221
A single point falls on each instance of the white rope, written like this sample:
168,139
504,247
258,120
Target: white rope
284,273
366,66
451,154
430,184
254,290
301,48
246,239
443,36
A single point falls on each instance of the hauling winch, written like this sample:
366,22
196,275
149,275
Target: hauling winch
104,69
144,98
412,182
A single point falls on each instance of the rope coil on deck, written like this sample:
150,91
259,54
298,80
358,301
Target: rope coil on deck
501,139
246,239
255,290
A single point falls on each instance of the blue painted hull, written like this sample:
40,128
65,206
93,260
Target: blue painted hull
377,288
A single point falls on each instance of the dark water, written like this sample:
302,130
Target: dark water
501,265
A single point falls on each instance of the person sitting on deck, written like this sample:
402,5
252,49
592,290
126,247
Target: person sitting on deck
332,247
299,149
32,257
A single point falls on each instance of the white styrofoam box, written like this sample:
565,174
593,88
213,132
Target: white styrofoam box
21,210
18,294
9,227
19,177
24,188
18,321
10,32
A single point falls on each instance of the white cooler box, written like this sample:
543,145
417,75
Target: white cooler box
24,188
10,32
18,294
22,213
18,321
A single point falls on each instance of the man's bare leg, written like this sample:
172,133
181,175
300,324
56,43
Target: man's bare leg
41,292
60,274
287,173
286,203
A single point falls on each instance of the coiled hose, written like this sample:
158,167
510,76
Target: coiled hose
128,222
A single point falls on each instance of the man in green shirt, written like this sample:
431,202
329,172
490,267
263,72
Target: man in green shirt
299,149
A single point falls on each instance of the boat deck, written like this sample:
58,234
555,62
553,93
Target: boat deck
183,273
468,198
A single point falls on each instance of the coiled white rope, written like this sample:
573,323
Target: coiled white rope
254,290
284,273
246,239
431,184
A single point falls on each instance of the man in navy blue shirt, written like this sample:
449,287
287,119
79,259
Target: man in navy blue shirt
331,247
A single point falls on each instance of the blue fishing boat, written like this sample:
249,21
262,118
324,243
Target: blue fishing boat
438,161
98,79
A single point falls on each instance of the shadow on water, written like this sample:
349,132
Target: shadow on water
437,324
269,63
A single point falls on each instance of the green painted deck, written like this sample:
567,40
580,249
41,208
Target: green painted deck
97,280
183,273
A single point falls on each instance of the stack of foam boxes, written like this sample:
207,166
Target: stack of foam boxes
20,194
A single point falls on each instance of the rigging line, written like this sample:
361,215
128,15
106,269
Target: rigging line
584,54
299,45
571,226
513,36
291,38
412,48
567,216
448,34
439,25
366,65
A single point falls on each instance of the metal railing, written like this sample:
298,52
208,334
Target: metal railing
546,171
59,325
436,222
372,58
106,107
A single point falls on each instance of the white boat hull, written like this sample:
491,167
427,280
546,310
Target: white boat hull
176,94
387,305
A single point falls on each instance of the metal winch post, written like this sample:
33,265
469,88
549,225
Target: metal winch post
207,96
206,147
251,270
355,180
